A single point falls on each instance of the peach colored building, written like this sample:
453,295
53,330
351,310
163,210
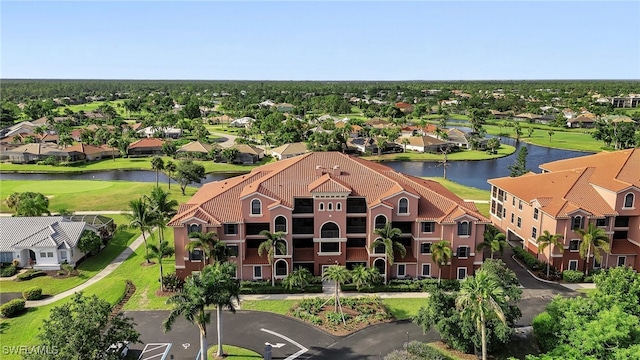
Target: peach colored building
328,205
602,189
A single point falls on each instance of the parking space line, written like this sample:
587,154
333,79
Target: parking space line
152,347
291,357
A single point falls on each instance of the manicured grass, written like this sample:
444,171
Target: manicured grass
93,106
281,307
403,309
504,150
88,195
483,209
576,139
141,163
465,192
87,268
233,352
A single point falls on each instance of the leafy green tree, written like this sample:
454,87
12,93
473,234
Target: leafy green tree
517,130
480,298
170,167
215,285
28,204
9,113
163,250
519,168
592,239
493,145
191,110
141,217
204,241
494,243
157,164
362,276
339,275
546,240
550,132
441,254
187,172
163,207
229,154
169,148
530,131
298,278
88,331
272,245
477,118
89,242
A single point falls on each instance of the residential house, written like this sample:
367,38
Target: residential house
242,122
168,132
601,189
426,144
42,242
146,146
463,140
29,153
94,153
289,150
195,149
248,154
328,205
404,107
581,122
362,145
377,123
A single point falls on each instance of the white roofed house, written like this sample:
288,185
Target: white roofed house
42,242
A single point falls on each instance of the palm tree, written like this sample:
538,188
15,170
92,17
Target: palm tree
141,218
481,298
170,167
387,236
274,243
163,250
364,276
300,277
546,239
441,253
214,286
495,243
157,164
204,242
405,142
163,207
593,238
339,275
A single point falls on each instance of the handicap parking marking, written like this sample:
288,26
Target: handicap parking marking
295,343
155,351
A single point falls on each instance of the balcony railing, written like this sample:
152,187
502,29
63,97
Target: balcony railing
356,229
329,234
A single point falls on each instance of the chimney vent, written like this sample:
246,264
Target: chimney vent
319,171
336,170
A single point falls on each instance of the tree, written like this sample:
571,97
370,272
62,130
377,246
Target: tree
477,118
141,218
191,110
170,167
519,168
364,276
441,254
9,113
299,278
530,131
215,285
163,207
163,250
81,329
493,145
405,142
113,143
89,242
229,154
381,144
480,298
203,241
517,130
169,148
157,164
272,245
387,237
493,242
596,239
546,239
188,172
339,275
550,132
28,204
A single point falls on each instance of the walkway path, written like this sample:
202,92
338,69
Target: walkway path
124,255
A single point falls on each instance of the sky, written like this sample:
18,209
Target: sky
323,40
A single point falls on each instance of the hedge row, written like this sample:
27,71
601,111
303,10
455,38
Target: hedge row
12,308
572,276
8,271
530,260
264,287
397,285
30,274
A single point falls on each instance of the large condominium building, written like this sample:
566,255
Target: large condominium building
328,205
602,189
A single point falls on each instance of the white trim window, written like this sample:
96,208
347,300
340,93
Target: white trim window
280,224
256,207
573,265
464,228
257,272
574,245
622,261
628,201
402,270
426,270
403,206
462,273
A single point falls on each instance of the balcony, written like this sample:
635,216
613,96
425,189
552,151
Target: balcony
329,234
356,206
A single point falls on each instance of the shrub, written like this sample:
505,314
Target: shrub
33,293
172,282
425,351
30,274
529,260
12,308
450,285
8,271
16,263
572,276
264,287
544,326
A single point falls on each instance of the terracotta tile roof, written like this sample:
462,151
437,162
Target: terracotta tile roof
425,141
147,143
357,254
291,149
624,247
290,178
248,149
195,146
403,105
86,148
581,119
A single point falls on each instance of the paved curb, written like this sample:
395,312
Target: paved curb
530,273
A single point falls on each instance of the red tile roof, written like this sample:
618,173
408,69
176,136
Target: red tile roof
147,143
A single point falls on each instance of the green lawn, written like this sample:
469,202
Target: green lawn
576,139
403,309
465,192
275,306
87,269
504,150
142,163
234,353
86,195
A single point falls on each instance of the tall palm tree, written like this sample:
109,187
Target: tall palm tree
546,239
481,298
141,218
387,237
492,242
170,167
593,238
163,207
441,254
214,286
364,276
163,250
157,164
273,243
204,242
339,275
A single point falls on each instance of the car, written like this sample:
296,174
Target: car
120,348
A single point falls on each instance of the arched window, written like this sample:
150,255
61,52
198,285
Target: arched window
403,206
256,207
577,222
280,224
338,206
321,206
281,268
380,265
330,206
628,200
381,220
194,228
330,230
464,228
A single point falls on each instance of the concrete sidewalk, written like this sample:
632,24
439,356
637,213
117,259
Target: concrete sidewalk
384,295
124,255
